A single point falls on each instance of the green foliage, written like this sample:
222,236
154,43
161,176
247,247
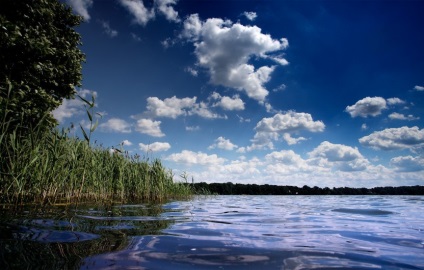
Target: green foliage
49,166
40,59
40,65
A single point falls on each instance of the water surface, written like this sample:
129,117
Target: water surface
222,232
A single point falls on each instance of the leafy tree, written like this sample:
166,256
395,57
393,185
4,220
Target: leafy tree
40,60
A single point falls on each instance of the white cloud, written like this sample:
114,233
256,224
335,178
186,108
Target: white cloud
126,143
109,31
72,107
155,147
222,143
240,168
192,27
399,116
340,157
369,106
408,163
286,167
169,107
269,108
67,109
149,127
202,109
192,71
192,158
364,126
287,163
175,107
81,7
290,140
251,16
335,152
242,119
224,49
395,101
142,15
280,88
419,88
228,103
192,128
288,158
270,129
395,138
116,125
241,150
166,8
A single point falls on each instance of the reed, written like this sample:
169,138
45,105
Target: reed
51,166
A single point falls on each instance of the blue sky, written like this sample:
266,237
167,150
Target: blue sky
318,93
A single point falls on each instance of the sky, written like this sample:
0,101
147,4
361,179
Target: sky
317,93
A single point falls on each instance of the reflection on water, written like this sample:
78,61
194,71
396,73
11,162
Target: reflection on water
59,238
222,232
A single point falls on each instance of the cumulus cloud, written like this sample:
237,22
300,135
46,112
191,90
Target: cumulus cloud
116,125
251,16
342,157
67,109
222,143
81,7
149,127
369,106
166,8
419,88
408,163
202,109
287,162
72,107
224,49
126,143
174,107
270,129
395,138
335,152
287,157
192,158
395,101
240,168
142,15
108,30
400,116
364,126
290,140
228,103
169,107
155,147
287,167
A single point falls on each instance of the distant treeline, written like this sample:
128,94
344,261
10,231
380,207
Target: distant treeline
254,189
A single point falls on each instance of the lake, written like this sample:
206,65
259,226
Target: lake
221,232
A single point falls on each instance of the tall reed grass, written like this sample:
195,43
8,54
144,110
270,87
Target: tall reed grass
51,166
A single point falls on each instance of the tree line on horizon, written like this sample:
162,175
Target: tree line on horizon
230,188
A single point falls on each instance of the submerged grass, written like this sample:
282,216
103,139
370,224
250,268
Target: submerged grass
52,167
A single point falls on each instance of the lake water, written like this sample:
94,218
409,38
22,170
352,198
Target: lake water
221,232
